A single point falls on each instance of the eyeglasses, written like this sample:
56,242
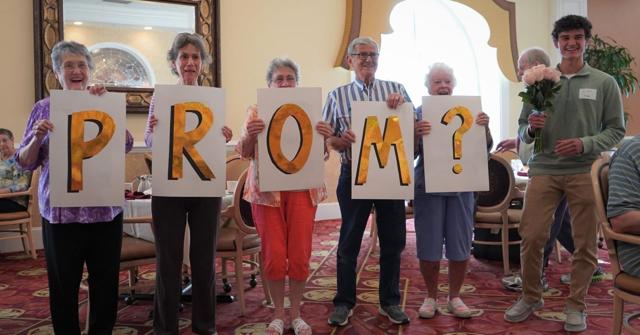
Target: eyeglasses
365,55
70,66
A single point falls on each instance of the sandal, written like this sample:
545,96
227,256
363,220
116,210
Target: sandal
300,327
428,308
276,327
459,309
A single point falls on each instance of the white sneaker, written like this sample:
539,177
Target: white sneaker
521,310
576,321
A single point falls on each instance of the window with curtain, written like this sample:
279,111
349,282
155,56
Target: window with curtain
429,31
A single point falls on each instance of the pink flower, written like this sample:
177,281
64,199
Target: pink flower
539,71
529,78
551,74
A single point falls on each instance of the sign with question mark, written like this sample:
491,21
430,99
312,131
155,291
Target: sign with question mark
455,151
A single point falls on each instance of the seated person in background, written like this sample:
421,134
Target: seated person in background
12,177
623,208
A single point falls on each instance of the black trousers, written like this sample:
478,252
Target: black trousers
10,206
390,219
67,248
170,215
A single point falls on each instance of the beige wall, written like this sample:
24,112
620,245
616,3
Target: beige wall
249,40
606,21
17,85
307,31
253,32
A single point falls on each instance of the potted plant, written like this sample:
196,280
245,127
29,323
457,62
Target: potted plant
615,60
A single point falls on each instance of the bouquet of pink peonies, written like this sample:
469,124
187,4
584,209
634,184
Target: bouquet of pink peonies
542,84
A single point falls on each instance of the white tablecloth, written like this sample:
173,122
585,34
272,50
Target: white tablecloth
142,207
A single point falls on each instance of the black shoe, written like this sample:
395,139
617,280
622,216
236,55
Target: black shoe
340,316
395,314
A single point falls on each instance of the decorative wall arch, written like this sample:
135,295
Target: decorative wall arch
371,18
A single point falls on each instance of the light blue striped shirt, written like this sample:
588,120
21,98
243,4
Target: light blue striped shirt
337,109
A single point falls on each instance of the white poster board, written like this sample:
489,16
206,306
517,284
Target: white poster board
290,150
87,149
439,146
202,172
394,127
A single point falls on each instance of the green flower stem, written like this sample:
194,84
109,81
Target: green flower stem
537,144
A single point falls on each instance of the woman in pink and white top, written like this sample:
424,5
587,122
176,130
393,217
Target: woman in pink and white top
284,219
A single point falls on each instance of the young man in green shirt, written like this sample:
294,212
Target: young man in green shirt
587,119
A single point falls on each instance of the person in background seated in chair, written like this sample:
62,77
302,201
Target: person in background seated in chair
442,218
284,220
390,214
12,177
186,57
73,236
623,207
587,119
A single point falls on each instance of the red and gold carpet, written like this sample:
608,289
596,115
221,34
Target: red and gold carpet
24,305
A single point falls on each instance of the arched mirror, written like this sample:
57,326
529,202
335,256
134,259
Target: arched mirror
128,40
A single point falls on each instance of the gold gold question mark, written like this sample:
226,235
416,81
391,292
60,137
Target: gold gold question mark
467,121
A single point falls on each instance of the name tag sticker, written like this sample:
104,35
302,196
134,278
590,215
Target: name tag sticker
588,93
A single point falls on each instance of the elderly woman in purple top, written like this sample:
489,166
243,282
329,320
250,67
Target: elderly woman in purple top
74,236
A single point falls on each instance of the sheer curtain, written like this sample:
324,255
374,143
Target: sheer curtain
429,31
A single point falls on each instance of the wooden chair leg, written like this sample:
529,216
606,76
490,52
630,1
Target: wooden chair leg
505,249
239,280
32,246
618,314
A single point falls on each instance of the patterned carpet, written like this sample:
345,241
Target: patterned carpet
24,306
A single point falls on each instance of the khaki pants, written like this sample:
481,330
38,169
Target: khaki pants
541,199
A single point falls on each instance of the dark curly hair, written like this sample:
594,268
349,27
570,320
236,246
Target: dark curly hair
571,22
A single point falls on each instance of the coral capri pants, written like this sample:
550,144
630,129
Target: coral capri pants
286,233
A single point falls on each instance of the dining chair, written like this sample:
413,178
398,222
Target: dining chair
493,210
238,241
16,225
235,165
135,252
626,288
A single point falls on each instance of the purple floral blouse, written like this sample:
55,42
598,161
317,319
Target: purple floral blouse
60,214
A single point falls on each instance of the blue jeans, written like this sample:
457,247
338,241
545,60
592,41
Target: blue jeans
391,225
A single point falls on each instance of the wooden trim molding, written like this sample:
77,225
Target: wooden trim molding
351,30
500,14
48,29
